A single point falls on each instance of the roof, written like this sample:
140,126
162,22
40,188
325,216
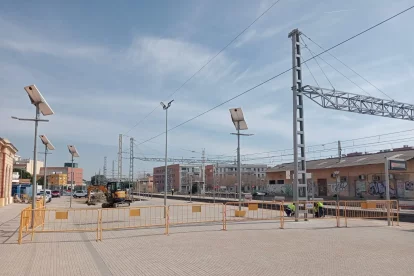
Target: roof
6,142
347,161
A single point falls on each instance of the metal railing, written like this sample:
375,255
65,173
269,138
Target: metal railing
99,220
235,212
132,217
195,213
370,209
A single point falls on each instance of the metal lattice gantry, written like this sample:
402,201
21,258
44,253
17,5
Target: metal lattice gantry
184,160
345,101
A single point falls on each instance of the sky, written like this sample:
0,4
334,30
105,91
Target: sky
103,66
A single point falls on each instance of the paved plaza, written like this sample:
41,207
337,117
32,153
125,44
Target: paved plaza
316,247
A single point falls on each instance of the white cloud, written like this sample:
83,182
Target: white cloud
166,56
23,40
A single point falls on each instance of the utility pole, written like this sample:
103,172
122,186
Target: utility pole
203,174
299,184
113,169
120,158
104,168
131,162
339,151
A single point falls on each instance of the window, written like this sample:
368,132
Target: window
271,182
281,181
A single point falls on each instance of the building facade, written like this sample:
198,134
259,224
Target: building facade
27,164
224,176
7,155
145,185
179,177
57,179
356,175
77,173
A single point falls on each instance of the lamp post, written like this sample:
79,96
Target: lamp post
48,146
240,124
42,106
74,153
165,107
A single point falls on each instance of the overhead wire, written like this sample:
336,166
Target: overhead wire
344,64
280,74
210,60
340,73
316,60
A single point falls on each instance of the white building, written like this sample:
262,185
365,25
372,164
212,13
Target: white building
26,164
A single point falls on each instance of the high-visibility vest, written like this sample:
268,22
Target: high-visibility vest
320,204
291,207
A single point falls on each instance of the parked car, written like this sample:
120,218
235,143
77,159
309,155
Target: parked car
55,193
40,195
78,194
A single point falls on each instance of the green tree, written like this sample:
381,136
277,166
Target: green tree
23,173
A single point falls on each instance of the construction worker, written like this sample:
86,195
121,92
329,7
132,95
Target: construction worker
290,209
318,209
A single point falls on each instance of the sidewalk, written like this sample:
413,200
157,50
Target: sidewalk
316,247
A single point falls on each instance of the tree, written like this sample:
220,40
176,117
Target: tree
23,173
100,180
40,181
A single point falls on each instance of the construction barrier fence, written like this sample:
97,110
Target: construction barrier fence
247,211
98,220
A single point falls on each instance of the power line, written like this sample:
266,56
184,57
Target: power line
280,74
209,61
337,71
349,68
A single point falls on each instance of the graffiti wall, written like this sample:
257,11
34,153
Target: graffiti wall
340,188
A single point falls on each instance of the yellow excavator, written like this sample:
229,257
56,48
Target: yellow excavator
114,192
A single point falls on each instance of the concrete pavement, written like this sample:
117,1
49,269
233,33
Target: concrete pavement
316,247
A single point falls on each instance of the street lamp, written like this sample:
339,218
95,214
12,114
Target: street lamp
240,124
165,107
48,146
74,153
42,106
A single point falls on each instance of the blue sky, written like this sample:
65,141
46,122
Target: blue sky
104,65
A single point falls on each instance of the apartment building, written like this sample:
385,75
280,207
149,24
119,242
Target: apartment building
27,164
67,170
179,177
225,175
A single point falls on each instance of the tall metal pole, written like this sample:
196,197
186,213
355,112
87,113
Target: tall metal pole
34,188
166,166
131,162
387,190
113,170
120,158
238,163
71,185
299,186
105,169
44,177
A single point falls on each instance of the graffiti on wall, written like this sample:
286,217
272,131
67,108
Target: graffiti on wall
377,188
338,187
409,186
280,189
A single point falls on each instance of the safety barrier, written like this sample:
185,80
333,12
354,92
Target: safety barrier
26,219
133,217
371,209
245,211
308,210
99,220
195,213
